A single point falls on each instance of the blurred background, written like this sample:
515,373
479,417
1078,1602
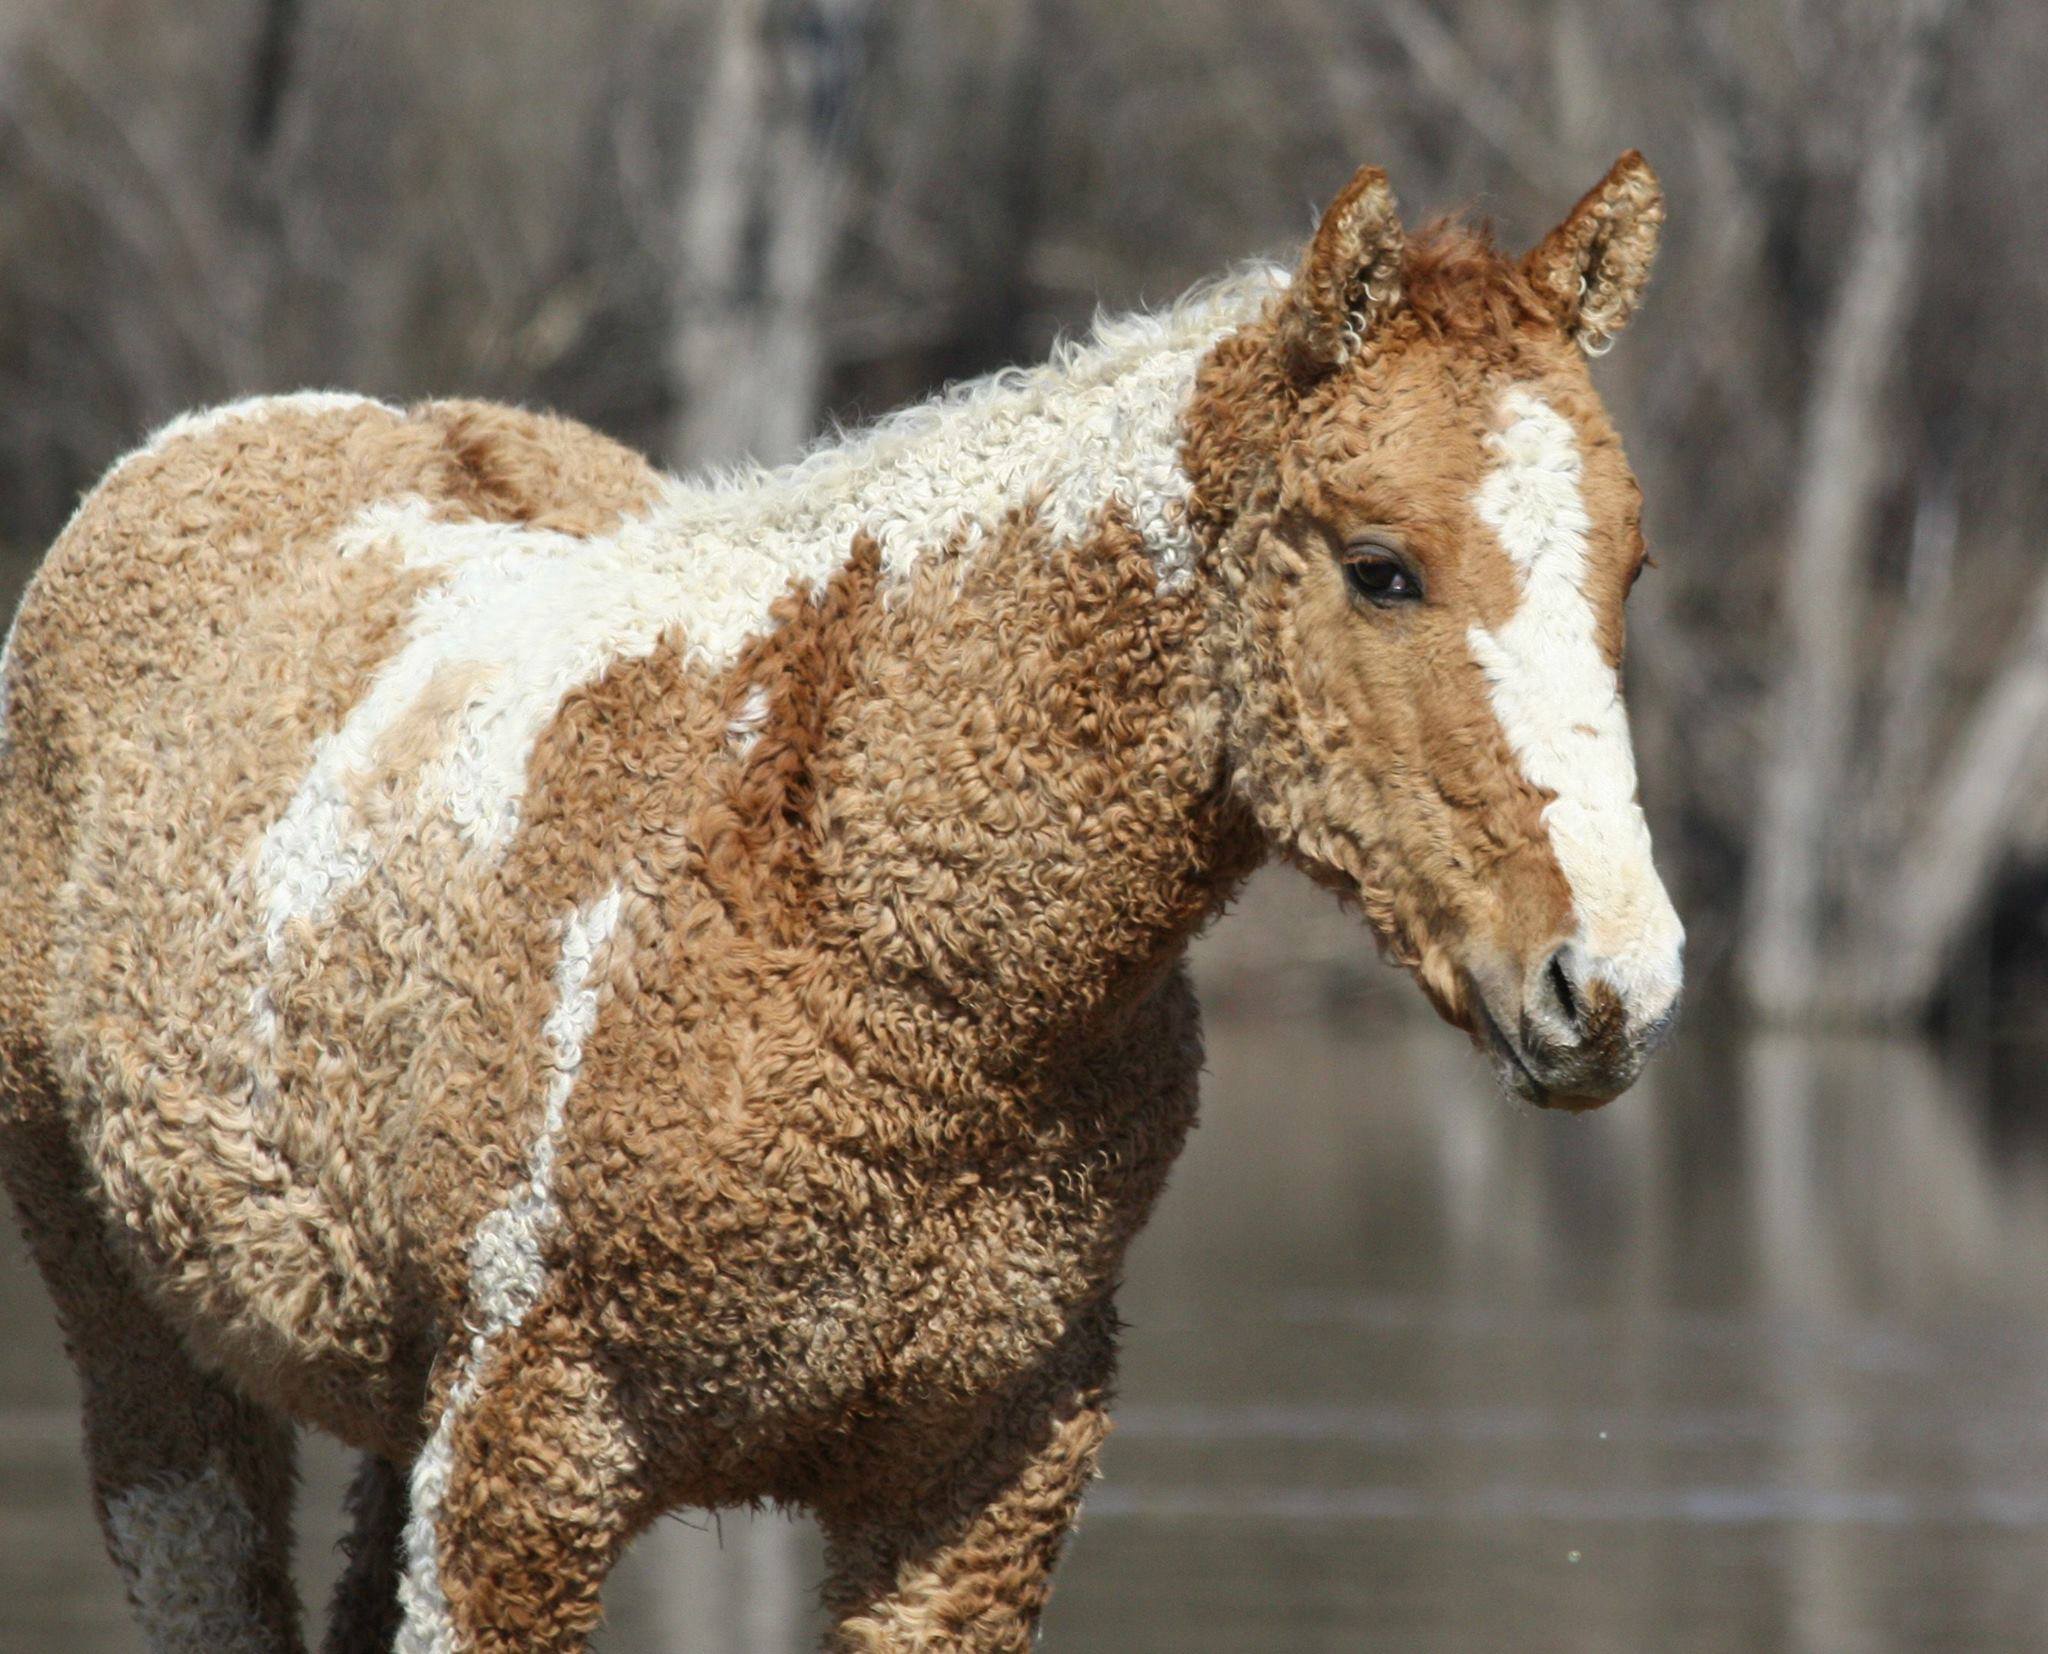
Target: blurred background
1757,1358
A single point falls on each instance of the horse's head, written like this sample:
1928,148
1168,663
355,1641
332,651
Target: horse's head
1427,530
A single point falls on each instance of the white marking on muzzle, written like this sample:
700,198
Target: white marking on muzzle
1559,704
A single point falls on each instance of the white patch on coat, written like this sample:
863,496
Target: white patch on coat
1559,704
188,1546
507,1270
745,728
205,421
544,613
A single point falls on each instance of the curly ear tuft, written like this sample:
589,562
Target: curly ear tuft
1349,281
1591,270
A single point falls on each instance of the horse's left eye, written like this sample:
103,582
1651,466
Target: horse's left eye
1379,576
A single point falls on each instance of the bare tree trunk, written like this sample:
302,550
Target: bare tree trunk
270,75
1899,753
1841,470
1443,60
1912,673
1948,869
759,224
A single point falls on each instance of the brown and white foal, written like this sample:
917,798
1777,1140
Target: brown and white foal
609,992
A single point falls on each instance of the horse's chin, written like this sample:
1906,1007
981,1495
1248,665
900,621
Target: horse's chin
1515,1080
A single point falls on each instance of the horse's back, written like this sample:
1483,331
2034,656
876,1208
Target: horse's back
202,627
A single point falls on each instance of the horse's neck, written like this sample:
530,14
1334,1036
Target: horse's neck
1016,775
1101,420
1010,754
1022,788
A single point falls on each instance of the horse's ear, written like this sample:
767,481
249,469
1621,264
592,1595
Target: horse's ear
1349,281
1593,267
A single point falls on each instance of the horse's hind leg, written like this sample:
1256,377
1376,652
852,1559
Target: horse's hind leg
191,1481
364,1616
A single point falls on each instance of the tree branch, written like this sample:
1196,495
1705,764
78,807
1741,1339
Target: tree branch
1843,459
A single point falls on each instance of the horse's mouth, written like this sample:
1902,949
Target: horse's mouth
1509,1065
1516,1077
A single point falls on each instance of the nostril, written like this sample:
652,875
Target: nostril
1561,986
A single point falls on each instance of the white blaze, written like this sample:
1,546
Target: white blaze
1559,704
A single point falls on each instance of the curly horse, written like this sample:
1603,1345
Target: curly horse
610,993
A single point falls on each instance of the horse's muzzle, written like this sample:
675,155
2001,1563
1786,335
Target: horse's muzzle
1562,1033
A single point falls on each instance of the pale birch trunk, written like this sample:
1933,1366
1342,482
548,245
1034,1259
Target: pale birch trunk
758,227
1940,883
1842,467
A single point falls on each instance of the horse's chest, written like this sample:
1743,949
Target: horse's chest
941,1281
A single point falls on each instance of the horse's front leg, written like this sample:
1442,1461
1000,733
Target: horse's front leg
522,1499
193,1481
961,1562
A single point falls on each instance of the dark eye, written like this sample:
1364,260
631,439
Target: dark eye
1379,575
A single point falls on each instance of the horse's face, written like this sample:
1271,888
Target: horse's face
1429,602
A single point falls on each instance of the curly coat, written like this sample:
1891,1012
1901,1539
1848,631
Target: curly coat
608,993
